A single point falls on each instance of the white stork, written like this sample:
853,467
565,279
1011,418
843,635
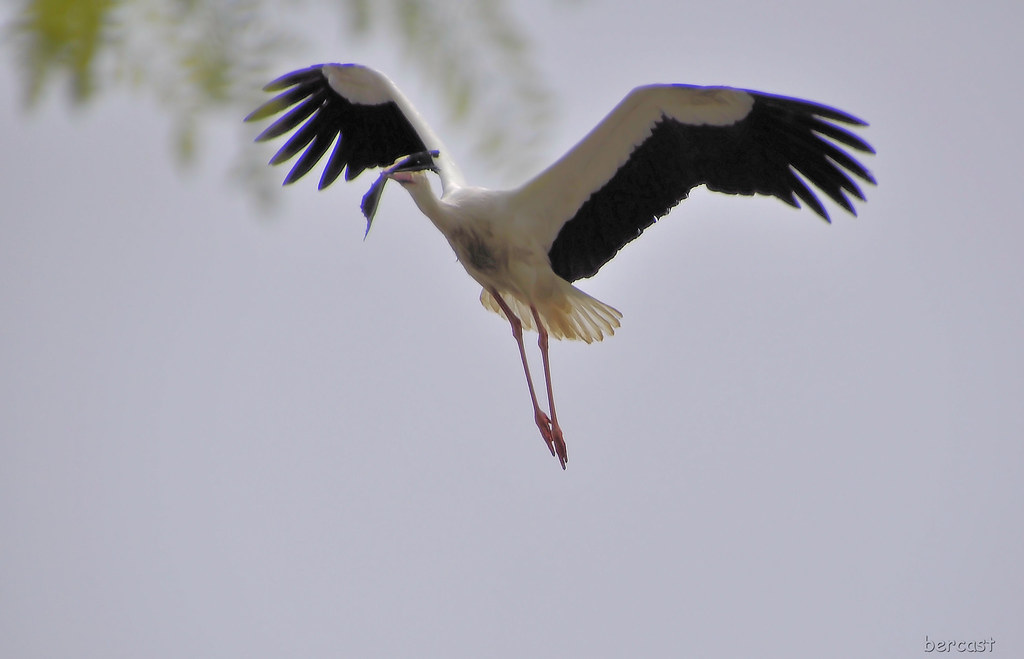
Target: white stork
526,245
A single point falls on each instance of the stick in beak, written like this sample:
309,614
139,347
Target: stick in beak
417,162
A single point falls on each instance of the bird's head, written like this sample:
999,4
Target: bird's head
410,171
418,163
410,177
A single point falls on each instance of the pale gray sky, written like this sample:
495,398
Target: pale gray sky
223,437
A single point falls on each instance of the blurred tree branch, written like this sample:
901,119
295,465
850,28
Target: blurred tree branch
204,57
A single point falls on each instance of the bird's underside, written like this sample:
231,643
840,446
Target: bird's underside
527,245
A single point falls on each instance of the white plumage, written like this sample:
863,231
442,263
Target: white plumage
526,245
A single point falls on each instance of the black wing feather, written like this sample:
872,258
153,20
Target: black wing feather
777,149
294,117
363,136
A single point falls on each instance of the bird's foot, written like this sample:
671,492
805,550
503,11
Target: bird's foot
559,444
552,435
544,425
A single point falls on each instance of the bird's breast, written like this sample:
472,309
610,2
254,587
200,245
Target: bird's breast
478,251
491,258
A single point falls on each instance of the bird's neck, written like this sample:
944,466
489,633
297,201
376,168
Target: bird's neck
428,203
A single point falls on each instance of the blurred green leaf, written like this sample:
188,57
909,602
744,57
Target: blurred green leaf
62,36
198,58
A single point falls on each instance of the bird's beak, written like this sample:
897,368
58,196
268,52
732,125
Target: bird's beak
404,176
418,162
401,172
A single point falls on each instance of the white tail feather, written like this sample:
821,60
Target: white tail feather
579,317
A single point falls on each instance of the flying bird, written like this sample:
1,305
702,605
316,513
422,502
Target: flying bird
525,246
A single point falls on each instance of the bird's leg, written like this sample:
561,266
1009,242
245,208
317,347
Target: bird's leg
556,431
543,422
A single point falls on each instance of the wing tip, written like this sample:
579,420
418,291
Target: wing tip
294,78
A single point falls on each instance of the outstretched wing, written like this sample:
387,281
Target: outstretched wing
661,141
358,110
